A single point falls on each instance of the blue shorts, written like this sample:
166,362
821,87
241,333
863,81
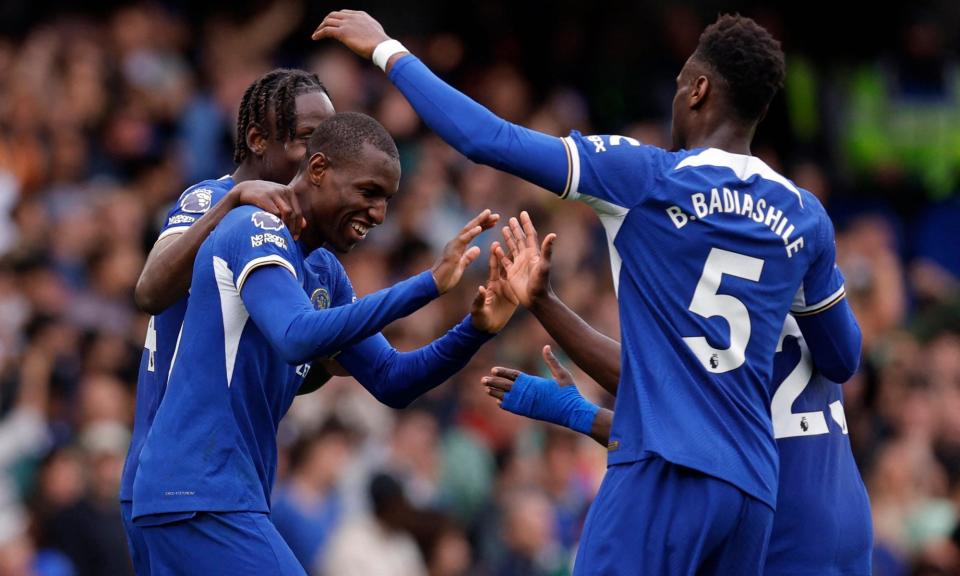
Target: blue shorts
138,548
235,543
652,517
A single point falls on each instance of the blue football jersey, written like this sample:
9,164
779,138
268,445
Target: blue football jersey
822,523
228,387
163,328
709,250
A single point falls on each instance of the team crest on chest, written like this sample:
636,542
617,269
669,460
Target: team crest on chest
266,221
197,201
320,299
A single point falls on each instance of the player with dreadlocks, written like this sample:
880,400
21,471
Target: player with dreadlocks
278,114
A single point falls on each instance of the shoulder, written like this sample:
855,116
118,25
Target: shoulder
326,268
198,198
322,260
250,221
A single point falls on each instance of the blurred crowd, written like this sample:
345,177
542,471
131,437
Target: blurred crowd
106,117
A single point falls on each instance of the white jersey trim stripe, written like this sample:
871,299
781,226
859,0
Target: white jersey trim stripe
172,231
252,265
572,191
234,314
743,166
819,306
612,218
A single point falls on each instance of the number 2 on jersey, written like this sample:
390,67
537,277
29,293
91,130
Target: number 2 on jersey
708,303
151,345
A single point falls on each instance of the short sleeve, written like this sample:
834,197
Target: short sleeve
616,169
192,204
248,239
822,286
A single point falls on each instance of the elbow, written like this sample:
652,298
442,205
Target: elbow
843,370
296,352
847,363
145,299
391,400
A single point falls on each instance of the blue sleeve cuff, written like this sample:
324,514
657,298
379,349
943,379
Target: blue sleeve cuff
473,333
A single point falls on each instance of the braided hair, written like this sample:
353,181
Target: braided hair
277,89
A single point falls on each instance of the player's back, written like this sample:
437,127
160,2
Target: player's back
163,329
822,523
212,446
709,250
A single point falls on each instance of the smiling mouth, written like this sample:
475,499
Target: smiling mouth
360,228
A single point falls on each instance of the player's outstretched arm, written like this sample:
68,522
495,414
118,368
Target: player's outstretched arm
527,270
168,270
473,130
398,378
556,401
280,308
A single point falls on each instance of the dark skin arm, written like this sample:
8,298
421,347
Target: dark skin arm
168,271
501,381
528,276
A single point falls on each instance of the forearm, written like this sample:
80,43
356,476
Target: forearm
398,378
594,353
282,311
834,339
602,423
476,132
169,268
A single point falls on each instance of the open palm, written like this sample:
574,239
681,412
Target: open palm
527,267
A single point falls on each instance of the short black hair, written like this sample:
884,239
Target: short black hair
748,58
342,136
278,88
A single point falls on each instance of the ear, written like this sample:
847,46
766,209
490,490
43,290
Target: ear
698,92
256,140
317,167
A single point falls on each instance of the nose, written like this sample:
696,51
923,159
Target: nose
378,211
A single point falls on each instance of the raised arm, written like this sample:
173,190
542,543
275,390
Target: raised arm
473,130
528,275
168,270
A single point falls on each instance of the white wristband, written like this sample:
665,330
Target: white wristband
384,50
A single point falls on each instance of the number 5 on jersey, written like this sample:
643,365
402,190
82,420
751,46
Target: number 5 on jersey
708,303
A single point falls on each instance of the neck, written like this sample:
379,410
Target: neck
726,136
245,172
312,237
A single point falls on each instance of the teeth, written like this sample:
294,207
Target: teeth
360,228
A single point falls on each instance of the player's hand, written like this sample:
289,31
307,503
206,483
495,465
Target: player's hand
357,31
277,199
493,305
557,401
458,254
528,264
502,380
